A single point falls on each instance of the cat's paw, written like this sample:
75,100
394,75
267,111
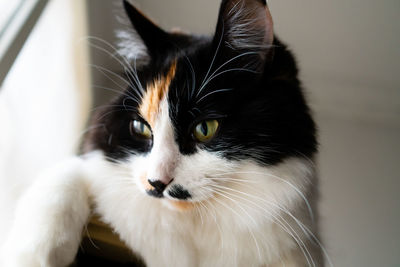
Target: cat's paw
49,219
38,250
13,258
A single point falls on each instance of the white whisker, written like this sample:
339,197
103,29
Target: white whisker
129,70
298,191
249,216
221,66
104,71
296,237
212,61
213,92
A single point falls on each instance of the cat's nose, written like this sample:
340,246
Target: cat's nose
158,185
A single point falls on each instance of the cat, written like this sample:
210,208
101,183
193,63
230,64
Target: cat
206,159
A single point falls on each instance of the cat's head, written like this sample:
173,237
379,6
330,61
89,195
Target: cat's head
201,107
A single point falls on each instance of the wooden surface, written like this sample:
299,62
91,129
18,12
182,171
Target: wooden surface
101,246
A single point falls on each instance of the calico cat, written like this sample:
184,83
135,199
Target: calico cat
206,159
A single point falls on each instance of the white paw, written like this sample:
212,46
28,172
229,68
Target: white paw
49,220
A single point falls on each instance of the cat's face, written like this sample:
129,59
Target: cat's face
202,108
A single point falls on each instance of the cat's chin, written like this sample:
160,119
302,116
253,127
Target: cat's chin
179,205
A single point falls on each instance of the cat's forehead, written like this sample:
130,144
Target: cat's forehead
181,82
156,90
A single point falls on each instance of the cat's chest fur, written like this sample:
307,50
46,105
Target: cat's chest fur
247,230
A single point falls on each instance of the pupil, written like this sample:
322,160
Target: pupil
141,127
204,128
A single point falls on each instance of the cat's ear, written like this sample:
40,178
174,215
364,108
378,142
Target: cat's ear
156,40
245,27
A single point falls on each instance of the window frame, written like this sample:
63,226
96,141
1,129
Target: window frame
17,31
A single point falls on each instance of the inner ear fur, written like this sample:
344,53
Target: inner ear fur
245,26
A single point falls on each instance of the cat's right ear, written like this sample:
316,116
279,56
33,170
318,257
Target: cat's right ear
156,41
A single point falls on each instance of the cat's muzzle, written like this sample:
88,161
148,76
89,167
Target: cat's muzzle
175,191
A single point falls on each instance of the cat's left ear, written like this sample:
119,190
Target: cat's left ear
245,27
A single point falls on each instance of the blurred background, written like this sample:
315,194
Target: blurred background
349,55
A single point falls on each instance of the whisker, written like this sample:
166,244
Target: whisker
307,232
251,218
125,93
213,92
112,111
104,71
136,77
217,224
126,68
297,238
227,62
199,212
229,70
124,64
280,179
89,237
193,76
129,70
215,55
232,179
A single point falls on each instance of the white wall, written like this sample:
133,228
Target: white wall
349,53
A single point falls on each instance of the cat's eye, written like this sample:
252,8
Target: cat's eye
205,130
139,128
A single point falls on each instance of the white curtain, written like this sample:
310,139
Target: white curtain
44,101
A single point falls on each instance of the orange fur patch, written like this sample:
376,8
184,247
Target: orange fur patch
145,183
182,205
156,91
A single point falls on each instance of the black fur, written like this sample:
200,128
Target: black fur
262,113
177,191
158,188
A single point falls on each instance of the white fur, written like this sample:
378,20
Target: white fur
160,163
238,217
49,219
219,233
250,27
131,47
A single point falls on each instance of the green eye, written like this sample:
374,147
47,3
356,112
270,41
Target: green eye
140,129
205,130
